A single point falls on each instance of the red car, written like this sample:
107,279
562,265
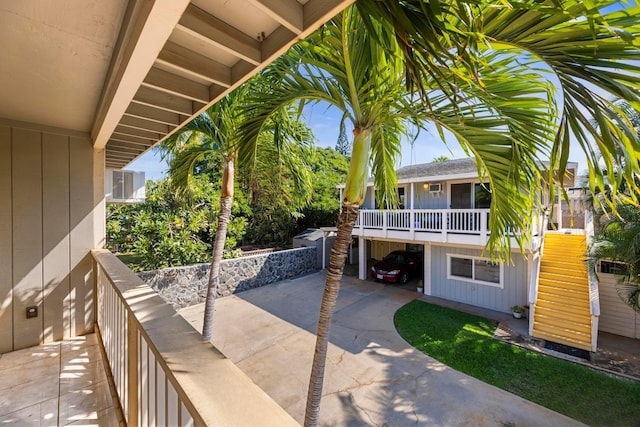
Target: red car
398,267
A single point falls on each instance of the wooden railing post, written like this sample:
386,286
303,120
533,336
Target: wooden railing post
483,226
132,372
445,223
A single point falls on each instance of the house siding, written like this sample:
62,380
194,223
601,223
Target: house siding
421,199
427,200
514,289
615,316
51,216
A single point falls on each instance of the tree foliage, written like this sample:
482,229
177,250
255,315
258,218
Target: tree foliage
165,232
329,168
618,240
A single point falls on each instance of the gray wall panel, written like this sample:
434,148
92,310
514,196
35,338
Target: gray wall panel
27,235
514,280
51,217
55,188
6,243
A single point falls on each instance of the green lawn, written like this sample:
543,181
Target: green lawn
465,342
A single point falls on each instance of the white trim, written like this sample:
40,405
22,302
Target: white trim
472,280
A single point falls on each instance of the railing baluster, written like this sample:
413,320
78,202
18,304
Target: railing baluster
150,392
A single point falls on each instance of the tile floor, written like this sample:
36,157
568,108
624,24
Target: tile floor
56,384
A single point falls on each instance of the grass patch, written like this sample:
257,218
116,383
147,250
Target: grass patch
465,342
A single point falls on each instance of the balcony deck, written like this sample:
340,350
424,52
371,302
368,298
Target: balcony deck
56,384
457,226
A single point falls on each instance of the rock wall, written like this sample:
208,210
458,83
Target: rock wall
185,286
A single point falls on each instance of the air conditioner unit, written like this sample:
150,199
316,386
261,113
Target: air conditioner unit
121,186
435,188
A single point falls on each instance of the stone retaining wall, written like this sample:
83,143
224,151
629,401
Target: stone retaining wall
185,286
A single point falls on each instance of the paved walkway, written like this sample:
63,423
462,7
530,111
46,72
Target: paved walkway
57,384
373,376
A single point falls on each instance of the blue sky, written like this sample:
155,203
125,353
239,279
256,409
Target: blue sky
325,123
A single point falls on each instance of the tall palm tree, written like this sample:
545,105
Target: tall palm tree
364,77
217,130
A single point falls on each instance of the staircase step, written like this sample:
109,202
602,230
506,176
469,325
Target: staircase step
554,260
564,237
575,272
560,305
563,290
560,244
563,321
560,331
578,290
568,277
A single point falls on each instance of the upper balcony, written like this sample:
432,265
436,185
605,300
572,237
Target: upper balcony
456,226
442,202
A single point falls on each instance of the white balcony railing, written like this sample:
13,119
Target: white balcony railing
163,372
459,221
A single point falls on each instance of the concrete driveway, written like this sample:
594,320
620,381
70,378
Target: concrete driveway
373,377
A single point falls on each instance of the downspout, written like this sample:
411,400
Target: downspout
537,249
594,294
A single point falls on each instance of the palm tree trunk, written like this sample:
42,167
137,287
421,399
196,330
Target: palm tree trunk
226,200
354,195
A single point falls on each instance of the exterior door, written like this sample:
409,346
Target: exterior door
460,196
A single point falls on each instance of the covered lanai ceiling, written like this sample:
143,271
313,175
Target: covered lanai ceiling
130,73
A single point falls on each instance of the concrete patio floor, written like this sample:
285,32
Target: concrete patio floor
57,384
373,377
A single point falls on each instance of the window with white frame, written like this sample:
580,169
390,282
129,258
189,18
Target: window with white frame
474,269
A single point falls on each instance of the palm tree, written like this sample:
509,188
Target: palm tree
590,48
363,76
619,241
217,130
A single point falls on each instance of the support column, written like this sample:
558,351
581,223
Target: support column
427,269
362,258
411,195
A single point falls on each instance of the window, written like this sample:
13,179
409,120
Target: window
474,269
613,267
482,196
122,187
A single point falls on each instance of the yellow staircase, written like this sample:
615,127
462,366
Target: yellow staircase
562,311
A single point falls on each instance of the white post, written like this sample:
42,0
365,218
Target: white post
411,192
362,258
412,214
444,223
483,226
427,269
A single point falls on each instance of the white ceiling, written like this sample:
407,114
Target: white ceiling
132,72
54,59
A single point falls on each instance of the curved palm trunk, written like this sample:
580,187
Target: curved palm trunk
353,196
226,199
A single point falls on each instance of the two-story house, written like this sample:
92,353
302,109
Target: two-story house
444,213
87,87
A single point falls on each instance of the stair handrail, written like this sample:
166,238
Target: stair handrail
594,294
537,248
